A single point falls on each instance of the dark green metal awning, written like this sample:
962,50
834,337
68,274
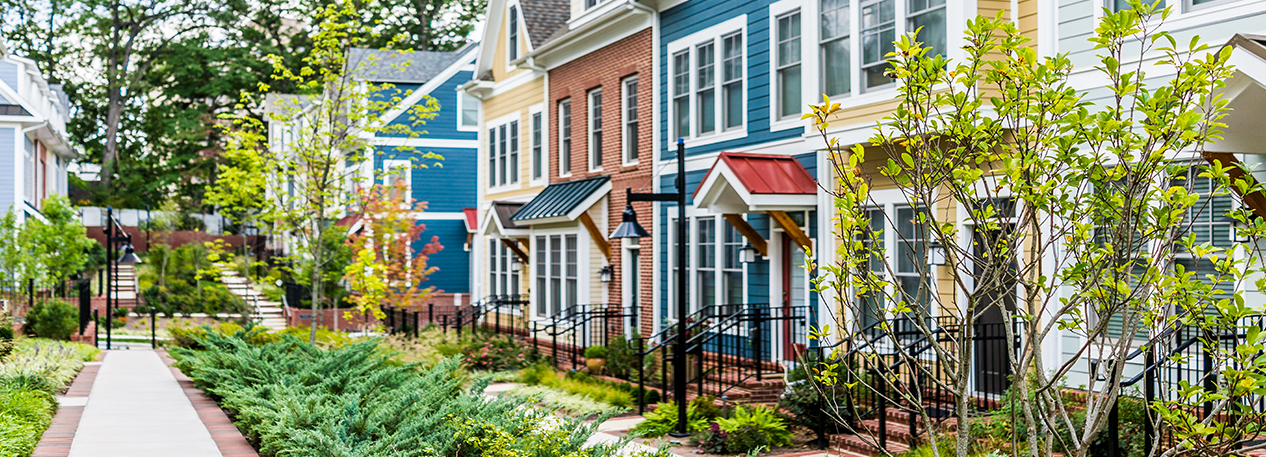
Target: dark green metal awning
560,199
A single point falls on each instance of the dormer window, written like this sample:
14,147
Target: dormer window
514,33
590,3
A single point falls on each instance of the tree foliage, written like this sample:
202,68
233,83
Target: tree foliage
389,269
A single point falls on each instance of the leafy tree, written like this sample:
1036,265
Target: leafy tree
1074,208
311,178
60,240
388,270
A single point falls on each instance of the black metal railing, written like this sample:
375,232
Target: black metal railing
579,327
500,314
896,373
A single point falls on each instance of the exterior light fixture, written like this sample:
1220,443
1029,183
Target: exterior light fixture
936,253
629,228
747,254
515,264
605,273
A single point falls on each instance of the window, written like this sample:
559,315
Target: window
911,272
396,171
1122,5
514,34
870,304
705,96
564,137
595,129
630,120
502,279
503,154
590,3
788,68
706,262
835,47
469,110
732,80
681,94
556,274
676,268
878,28
538,159
732,268
930,15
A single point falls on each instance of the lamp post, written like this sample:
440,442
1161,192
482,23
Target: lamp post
114,234
629,228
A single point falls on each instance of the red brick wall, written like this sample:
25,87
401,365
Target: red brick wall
607,68
141,239
301,317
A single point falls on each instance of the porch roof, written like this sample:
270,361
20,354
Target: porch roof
743,182
561,202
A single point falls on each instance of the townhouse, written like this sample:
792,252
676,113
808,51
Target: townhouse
35,150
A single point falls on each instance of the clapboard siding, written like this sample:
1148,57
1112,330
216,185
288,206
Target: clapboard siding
434,183
444,124
9,74
7,170
453,261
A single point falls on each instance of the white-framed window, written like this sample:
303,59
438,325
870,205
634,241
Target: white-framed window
787,65
468,111
502,279
564,137
539,161
844,60
715,272
398,171
1122,5
503,154
629,138
513,35
557,273
591,3
709,83
595,129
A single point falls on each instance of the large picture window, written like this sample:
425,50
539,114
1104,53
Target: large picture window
557,272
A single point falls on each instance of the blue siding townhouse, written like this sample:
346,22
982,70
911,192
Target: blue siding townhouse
447,186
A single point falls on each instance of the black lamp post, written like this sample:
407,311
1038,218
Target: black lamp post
629,228
114,234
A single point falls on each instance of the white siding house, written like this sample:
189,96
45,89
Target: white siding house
34,146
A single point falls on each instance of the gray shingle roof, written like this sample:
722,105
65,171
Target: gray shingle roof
13,110
544,17
503,211
388,66
558,199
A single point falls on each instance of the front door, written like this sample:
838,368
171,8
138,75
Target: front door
794,299
993,365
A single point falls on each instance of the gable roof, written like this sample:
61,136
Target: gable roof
385,65
544,17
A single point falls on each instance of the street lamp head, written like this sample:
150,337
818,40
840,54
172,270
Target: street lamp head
129,256
629,228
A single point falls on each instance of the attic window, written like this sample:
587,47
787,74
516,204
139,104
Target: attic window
514,33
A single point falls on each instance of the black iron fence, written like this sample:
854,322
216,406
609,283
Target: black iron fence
578,327
500,314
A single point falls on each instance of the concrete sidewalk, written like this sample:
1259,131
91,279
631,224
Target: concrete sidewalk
137,409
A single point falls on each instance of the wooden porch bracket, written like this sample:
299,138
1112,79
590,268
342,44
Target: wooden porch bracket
789,226
597,235
1255,200
518,252
748,232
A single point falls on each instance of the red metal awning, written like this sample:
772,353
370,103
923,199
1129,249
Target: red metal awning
472,219
765,173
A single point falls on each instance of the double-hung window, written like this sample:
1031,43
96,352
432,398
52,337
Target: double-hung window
911,259
928,17
1207,221
502,279
564,137
715,272
538,153
595,129
788,67
514,33
469,110
878,30
503,154
870,303
836,47
681,94
677,265
629,139
732,266
557,273
706,262
708,76
397,171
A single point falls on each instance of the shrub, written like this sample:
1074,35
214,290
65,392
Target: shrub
700,414
753,427
496,355
29,378
622,360
804,398
24,414
293,398
576,383
54,319
571,404
596,352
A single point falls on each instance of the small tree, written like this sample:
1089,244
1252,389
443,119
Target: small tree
308,179
388,268
1055,215
60,241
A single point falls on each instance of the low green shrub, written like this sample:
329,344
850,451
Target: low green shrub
622,361
29,377
805,399
24,414
497,355
596,352
555,399
54,319
754,427
700,414
293,398
650,396
576,383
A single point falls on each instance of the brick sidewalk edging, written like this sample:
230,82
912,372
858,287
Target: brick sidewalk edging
226,435
55,442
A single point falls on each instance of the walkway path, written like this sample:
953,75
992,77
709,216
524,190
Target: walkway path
138,409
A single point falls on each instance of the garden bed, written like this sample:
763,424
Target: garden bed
30,377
